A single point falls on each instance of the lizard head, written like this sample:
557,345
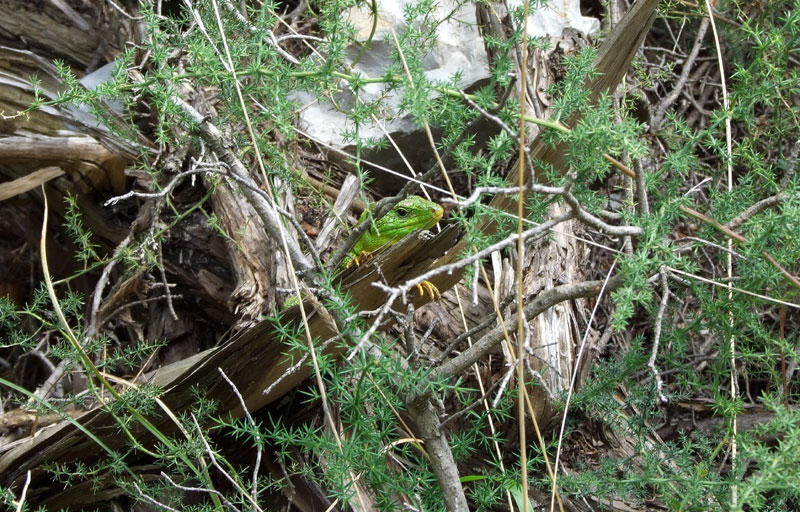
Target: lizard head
410,214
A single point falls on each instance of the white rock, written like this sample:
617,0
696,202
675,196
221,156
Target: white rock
460,48
551,20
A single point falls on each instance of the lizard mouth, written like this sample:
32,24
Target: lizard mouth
437,212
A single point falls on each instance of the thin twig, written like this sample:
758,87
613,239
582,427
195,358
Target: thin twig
263,204
478,192
607,284
791,165
164,192
296,366
590,219
185,488
542,302
141,302
224,473
472,332
756,209
704,242
24,492
642,201
528,160
739,290
270,39
152,500
714,223
258,440
474,405
657,335
660,109
164,282
91,329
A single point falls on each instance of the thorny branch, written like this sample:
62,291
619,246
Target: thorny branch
661,109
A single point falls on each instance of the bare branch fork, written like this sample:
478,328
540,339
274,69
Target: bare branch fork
265,207
542,302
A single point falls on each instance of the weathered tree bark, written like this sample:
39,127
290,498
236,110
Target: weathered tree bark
85,34
254,256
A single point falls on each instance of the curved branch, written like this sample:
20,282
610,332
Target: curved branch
545,300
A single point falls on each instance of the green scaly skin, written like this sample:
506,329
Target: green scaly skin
409,215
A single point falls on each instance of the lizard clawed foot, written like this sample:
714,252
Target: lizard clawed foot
352,259
430,288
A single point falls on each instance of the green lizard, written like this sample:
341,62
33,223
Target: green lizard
409,215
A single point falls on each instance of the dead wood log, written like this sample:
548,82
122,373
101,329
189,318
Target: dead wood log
81,33
255,361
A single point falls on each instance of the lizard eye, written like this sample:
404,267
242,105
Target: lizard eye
401,212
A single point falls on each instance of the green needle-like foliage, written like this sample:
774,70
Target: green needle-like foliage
660,382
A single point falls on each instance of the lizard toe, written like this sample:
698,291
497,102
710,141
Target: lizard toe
430,288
